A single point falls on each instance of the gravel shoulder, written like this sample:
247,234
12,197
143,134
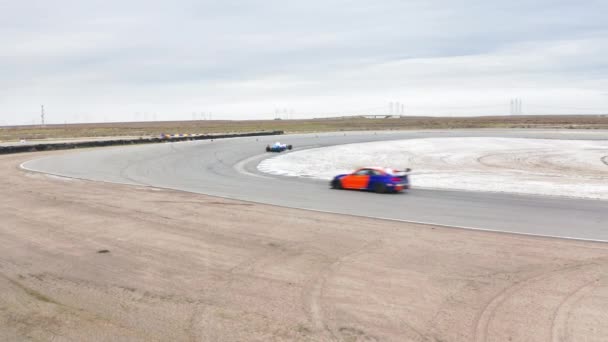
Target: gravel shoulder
93,261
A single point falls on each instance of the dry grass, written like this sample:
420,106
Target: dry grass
309,125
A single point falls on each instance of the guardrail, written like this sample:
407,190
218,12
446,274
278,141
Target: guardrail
82,144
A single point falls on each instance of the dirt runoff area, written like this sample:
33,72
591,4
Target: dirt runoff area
85,261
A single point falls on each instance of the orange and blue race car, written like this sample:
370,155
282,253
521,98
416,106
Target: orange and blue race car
375,179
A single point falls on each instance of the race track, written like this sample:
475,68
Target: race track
227,168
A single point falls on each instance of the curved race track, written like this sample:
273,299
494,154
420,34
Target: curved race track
227,168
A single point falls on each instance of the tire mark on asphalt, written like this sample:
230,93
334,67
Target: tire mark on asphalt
123,172
605,160
241,167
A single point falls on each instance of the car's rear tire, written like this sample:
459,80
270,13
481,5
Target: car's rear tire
289,147
380,188
267,148
336,184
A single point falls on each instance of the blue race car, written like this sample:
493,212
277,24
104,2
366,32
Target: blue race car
278,147
375,179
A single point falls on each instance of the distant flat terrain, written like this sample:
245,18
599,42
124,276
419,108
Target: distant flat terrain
298,125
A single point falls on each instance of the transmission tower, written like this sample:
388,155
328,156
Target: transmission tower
516,106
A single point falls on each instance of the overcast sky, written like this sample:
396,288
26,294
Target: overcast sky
133,60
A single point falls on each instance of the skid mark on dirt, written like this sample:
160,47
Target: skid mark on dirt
45,314
355,335
315,292
30,292
488,314
559,330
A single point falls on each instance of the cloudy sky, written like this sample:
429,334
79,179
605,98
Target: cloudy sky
134,60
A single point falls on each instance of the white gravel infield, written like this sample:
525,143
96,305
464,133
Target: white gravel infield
573,168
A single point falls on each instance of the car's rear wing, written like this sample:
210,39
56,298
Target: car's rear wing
401,173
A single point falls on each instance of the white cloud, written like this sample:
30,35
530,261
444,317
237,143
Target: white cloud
242,59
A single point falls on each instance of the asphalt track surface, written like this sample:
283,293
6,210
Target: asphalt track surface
228,168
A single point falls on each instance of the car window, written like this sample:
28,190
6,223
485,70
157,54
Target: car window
362,172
